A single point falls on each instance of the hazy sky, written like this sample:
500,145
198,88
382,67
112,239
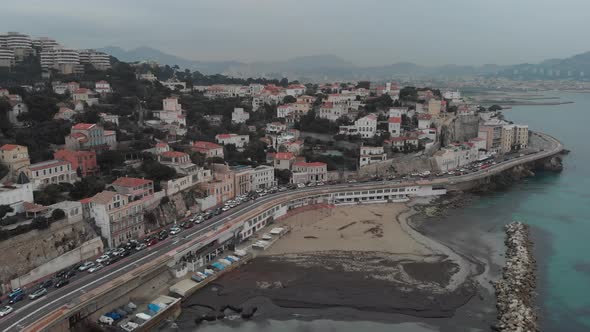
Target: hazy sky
365,32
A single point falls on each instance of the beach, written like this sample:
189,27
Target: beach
348,263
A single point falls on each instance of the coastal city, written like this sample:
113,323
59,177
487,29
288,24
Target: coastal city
147,195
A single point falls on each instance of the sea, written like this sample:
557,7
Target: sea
557,206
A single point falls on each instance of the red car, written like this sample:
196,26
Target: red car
152,242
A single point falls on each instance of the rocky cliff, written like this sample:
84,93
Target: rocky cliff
460,129
172,209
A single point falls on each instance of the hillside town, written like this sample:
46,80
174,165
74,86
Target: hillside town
115,166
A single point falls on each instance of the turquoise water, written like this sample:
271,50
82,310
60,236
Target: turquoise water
556,205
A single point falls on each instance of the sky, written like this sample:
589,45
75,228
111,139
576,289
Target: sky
364,32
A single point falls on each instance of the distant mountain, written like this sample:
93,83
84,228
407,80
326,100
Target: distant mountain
145,53
576,67
328,67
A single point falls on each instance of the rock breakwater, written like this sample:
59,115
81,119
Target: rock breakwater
515,291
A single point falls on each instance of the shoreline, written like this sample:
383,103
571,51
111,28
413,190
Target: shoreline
446,298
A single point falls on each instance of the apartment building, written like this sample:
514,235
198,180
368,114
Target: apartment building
366,126
90,136
209,149
83,162
304,172
15,158
98,60
239,116
395,126
239,141
118,216
263,177
135,188
51,172
371,154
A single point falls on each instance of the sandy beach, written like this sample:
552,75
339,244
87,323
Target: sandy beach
361,258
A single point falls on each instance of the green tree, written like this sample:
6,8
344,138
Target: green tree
41,108
283,176
289,99
157,172
58,214
87,187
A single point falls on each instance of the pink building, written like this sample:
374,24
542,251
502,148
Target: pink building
83,162
134,187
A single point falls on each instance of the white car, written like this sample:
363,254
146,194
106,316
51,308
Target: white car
129,326
301,185
225,208
6,310
102,258
86,266
175,230
95,268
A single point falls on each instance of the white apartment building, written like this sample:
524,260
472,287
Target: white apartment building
118,218
239,116
395,126
424,121
331,111
263,177
67,61
304,172
99,60
172,114
45,43
521,136
238,140
7,58
51,172
366,126
398,111
507,140
102,87
371,154
456,156
284,110
14,195
15,40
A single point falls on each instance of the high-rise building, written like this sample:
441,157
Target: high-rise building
98,60
67,61
45,43
20,43
6,57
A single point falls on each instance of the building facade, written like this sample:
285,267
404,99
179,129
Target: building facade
83,162
51,172
15,158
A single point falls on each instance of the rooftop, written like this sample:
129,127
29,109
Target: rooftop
131,182
312,164
83,126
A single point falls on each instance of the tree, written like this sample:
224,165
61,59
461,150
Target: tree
86,187
41,108
289,99
283,176
3,171
157,172
58,214
111,159
4,210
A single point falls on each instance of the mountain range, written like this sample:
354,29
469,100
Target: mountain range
329,67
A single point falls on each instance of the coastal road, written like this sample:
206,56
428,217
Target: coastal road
27,312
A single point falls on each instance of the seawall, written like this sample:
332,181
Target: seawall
515,291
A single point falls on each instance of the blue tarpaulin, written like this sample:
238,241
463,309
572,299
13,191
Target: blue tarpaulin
153,307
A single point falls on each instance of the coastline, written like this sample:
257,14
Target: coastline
309,285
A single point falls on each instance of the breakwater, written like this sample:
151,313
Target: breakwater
515,291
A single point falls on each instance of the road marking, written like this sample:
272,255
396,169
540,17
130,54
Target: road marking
69,294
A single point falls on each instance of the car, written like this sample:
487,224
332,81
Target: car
16,298
113,260
126,253
175,230
70,274
95,268
152,241
118,252
311,184
217,212
199,219
140,247
45,284
62,282
320,184
187,224
38,293
301,185
15,292
62,273
109,252
6,310
225,208
86,266
162,235
102,258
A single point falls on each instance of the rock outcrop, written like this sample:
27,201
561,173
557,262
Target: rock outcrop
515,291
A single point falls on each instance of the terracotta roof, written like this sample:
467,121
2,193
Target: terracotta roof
32,207
109,132
222,136
8,147
161,145
395,119
314,164
284,155
131,182
206,145
81,90
371,116
103,197
47,164
79,136
83,126
86,200
424,116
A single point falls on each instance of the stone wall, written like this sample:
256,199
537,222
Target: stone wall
460,129
26,252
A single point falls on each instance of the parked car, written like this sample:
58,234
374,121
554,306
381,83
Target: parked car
187,225
118,251
62,282
16,298
38,293
70,274
95,268
301,185
6,310
45,284
86,266
152,241
175,230
112,260
140,247
102,258
162,235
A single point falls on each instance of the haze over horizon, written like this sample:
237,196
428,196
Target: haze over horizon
461,32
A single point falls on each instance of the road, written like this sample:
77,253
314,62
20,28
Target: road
27,312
